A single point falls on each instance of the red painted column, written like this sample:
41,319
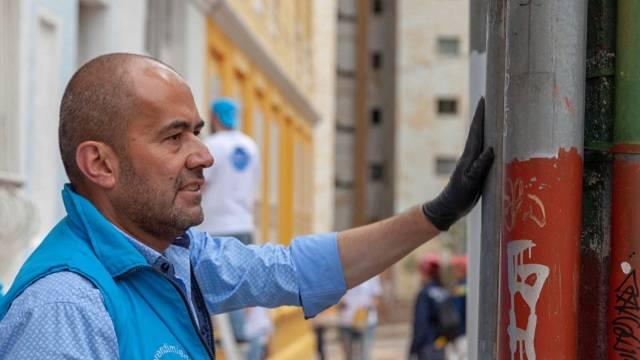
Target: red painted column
541,234
624,305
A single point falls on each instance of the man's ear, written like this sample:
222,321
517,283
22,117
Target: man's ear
97,161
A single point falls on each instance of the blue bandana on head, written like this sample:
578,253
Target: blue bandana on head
227,112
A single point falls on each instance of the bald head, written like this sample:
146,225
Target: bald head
98,103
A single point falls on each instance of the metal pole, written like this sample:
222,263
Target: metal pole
479,308
544,115
596,199
489,253
624,310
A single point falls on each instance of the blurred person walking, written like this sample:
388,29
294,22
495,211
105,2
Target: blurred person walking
229,192
258,328
228,202
359,318
457,350
436,321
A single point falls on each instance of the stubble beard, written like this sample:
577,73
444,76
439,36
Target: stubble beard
154,209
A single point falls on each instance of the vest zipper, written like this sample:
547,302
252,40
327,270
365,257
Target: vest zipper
182,295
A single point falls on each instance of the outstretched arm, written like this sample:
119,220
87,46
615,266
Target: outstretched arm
367,250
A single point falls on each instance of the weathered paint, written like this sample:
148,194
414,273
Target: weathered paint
624,310
595,253
596,199
541,237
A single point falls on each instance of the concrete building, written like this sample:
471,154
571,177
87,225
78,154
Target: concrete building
401,114
365,88
432,114
37,51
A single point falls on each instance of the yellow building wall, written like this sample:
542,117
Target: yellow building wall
284,28
284,138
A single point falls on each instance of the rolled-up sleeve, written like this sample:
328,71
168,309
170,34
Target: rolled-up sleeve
319,272
307,273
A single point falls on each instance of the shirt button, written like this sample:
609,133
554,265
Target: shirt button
164,267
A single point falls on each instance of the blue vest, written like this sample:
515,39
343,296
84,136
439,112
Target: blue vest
149,313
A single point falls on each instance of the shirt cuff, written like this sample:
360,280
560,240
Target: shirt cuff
319,271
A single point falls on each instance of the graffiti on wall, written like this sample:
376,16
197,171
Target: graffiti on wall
626,322
521,206
527,280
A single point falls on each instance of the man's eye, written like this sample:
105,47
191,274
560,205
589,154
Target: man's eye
175,137
196,132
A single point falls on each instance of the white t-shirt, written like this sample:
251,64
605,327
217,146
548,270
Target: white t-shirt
230,184
363,295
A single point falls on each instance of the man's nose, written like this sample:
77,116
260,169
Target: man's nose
200,156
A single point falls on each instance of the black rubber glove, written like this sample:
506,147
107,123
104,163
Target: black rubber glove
465,185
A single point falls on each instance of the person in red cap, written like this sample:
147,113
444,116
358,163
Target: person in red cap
459,298
435,321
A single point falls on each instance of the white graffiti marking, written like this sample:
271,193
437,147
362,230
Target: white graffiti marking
522,340
517,207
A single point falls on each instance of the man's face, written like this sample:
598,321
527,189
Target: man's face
161,171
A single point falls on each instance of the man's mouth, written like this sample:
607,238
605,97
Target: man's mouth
192,187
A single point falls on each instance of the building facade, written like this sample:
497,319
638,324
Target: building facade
401,115
365,88
432,114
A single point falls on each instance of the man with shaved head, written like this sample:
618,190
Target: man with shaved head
124,275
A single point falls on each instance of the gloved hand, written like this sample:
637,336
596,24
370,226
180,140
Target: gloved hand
465,185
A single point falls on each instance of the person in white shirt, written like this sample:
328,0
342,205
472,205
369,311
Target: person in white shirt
228,202
230,184
358,333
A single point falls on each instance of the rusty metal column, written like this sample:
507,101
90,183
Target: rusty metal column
596,199
544,116
624,310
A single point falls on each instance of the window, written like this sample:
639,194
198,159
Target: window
448,45
377,172
447,106
343,184
346,73
376,60
376,116
377,7
345,128
445,165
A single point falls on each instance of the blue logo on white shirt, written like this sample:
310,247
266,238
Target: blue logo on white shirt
240,158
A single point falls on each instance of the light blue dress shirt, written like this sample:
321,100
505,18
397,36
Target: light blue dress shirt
62,315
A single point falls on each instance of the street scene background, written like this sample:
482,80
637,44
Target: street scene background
359,109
